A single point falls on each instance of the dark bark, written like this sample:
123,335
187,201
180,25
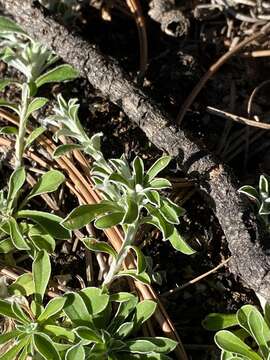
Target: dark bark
245,238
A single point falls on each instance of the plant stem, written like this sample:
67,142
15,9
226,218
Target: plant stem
118,262
20,139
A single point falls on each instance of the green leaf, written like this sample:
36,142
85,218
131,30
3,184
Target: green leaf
47,183
59,332
8,336
9,130
9,105
153,197
157,167
16,182
20,313
35,105
218,321
86,333
45,347
120,180
7,310
24,285
179,243
15,349
132,212
99,246
141,263
242,316
84,214
94,299
144,310
57,74
138,169
127,305
9,26
264,186
260,331
142,277
76,309
148,345
110,220
16,235
49,222
76,352
124,329
41,273
158,220
6,245
62,150
34,135
53,307
41,239
169,212
227,341
159,184
251,192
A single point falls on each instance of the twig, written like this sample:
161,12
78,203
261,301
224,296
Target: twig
215,67
135,8
193,281
238,119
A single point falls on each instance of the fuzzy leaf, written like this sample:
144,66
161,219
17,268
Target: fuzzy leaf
110,220
179,243
88,334
9,130
76,309
24,285
16,182
59,332
15,349
251,192
159,184
47,183
99,246
132,212
35,105
62,150
148,345
142,277
9,26
16,235
45,347
75,352
218,321
157,167
57,74
95,300
41,239
138,169
141,263
49,222
227,341
53,307
144,310
84,214
34,135
41,273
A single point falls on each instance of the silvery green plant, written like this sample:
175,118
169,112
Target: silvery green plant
260,197
249,337
131,196
89,324
32,59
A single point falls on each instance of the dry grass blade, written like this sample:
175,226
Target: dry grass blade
236,118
